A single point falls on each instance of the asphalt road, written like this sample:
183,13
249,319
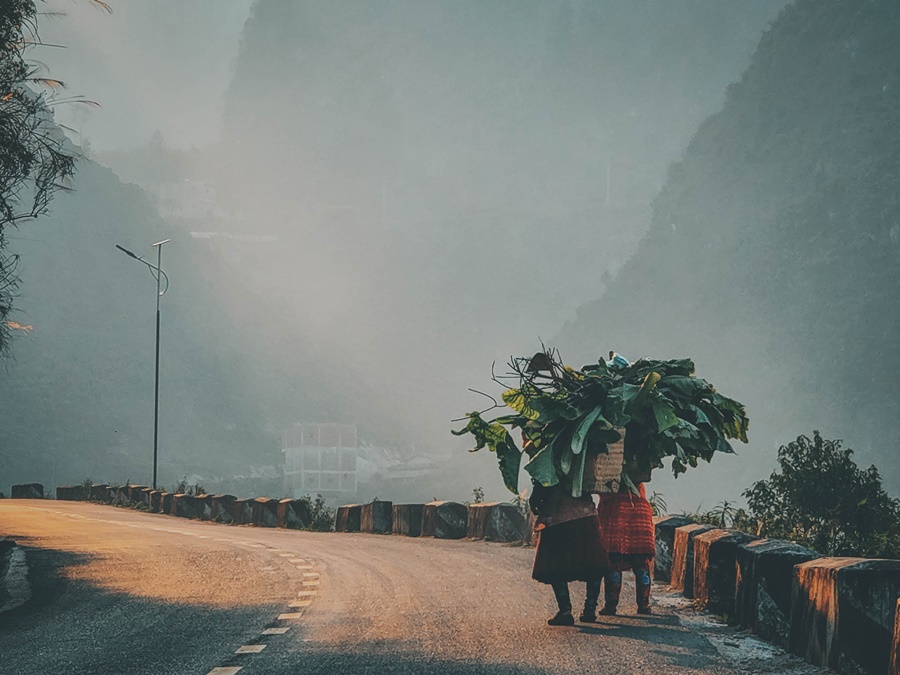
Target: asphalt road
120,591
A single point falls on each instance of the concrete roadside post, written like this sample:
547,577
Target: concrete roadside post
28,491
683,557
377,517
762,596
347,518
407,519
444,520
294,514
665,543
715,577
843,612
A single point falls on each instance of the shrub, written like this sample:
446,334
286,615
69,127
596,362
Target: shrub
820,498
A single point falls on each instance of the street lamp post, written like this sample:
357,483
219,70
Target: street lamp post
159,276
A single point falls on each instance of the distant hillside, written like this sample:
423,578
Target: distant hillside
453,177
774,252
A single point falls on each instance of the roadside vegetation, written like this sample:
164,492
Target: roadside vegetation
820,498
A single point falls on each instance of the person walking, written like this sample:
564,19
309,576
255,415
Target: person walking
626,523
569,548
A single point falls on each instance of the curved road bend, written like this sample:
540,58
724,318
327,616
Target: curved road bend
120,591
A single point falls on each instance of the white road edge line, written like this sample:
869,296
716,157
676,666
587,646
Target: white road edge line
250,649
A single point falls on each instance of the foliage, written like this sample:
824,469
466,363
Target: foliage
321,516
820,498
725,514
185,488
658,503
35,158
478,495
565,413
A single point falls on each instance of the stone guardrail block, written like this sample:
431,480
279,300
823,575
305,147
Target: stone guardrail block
377,517
155,497
762,594
166,499
265,512
496,521
683,557
347,518
843,612
407,519
221,508
99,493
715,578
112,493
444,520
195,507
242,511
121,495
894,668
70,493
134,493
665,544
28,491
294,514
204,504
144,497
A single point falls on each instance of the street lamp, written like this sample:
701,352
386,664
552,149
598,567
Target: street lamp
158,275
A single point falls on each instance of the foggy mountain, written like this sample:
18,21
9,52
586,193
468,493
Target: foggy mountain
772,257
77,392
450,180
404,192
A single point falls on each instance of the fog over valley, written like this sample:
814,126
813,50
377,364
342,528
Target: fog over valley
370,202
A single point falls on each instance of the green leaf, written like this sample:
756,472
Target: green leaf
510,458
519,401
578,475
663,413
579,438
542,469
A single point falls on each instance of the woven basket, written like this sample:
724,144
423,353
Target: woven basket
603,470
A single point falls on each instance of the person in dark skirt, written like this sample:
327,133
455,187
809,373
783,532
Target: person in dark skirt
569,548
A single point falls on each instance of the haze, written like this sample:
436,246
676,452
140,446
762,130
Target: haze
384,198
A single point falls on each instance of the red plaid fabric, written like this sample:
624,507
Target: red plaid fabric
626,523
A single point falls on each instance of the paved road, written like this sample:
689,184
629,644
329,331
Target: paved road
120,591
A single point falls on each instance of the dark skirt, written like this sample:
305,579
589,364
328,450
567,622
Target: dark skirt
570,551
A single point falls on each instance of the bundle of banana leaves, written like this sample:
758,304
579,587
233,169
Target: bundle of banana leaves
564,414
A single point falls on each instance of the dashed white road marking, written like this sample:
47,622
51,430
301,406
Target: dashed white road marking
286,555
311,582
229,670
287,616
310,575
297,561
276,631
300,603
307,593
249,649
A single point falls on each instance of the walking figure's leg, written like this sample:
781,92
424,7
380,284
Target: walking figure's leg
612,588
592,594
564,616
642,585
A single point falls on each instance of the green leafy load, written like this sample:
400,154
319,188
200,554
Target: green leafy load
665,410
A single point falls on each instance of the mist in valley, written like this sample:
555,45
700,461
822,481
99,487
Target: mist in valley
372,202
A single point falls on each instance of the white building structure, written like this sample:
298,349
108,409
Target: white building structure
320,459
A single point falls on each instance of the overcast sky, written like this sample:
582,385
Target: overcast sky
138,61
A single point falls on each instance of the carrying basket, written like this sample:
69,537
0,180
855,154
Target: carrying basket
603,470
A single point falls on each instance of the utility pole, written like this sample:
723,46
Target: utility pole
159,275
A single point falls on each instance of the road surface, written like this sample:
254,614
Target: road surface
121,591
